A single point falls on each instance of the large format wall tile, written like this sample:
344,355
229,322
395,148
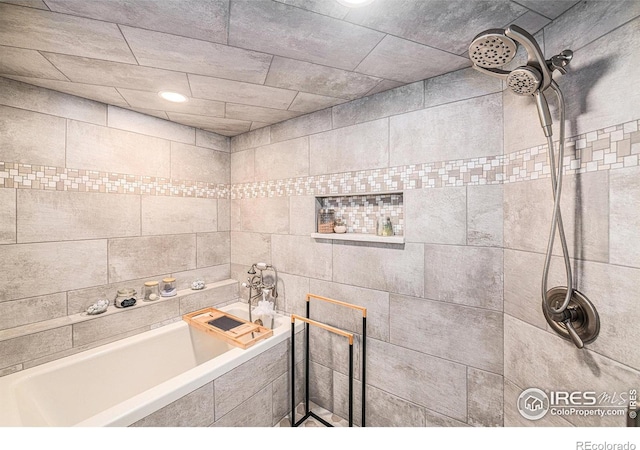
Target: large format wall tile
199,164
264,214
395,101
332,350
25,96
193,410
213,248
485,402
250,248
556,364
114,324
25,134
413,375
213,141
466,335
436,215
376,302
66,216
254,412
8,216
138,257
32,346
124,119
585,204
175,215
382,409
513,418
453,131
302,214
252,376
57,266
382,267
302,126
62,33
242,166
485,217
221,293
292,292
287,159
624,219
466,275
358,147
22,312
252,139
302,255
522,278
458,85
110,150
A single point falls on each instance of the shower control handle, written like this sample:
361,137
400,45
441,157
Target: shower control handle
573,334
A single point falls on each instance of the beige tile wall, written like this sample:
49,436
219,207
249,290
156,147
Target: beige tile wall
76,226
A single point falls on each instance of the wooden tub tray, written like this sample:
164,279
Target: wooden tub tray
229,328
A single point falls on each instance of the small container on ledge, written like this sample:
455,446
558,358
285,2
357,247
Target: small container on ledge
340,226
169,288
326,220
150,291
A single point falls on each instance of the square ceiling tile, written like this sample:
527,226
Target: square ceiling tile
167,51
283,30
206,20
106,73
313,78
27,63
405,61
306,102
151,100
226,127
102,94
447,25
258,114
48,31
239,92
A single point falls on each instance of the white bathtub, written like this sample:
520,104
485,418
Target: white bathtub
120,383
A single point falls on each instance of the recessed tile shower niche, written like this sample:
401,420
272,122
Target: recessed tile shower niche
375,217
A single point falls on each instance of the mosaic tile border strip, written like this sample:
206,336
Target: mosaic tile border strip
30,176
608,148
613,147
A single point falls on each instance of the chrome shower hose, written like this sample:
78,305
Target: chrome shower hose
556,221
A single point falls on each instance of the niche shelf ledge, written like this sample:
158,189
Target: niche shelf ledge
359,237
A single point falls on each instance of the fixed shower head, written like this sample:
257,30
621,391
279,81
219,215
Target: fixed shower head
496,47
492,48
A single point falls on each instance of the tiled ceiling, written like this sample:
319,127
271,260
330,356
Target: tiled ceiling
244,64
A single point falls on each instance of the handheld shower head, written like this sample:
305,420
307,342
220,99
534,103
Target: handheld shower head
524,80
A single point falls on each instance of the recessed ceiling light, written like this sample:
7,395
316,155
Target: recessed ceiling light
354,3
172,96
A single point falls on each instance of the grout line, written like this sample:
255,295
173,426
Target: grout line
127,42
